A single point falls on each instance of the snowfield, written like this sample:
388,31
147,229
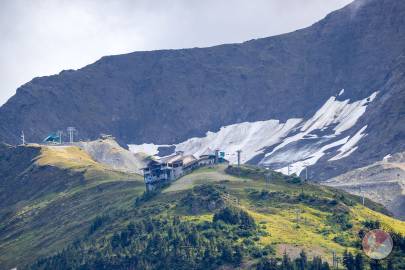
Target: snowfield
147,148
251,138
286,147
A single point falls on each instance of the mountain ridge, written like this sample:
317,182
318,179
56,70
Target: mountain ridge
169,96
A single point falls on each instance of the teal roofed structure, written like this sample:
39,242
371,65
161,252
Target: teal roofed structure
52,138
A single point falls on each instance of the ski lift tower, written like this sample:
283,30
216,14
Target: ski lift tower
23,138
306,171
71,131
239,151
362,196
60,135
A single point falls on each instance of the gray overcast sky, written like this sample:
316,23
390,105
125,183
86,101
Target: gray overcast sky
43,37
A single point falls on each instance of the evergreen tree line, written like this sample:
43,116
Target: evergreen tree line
348,262
300,263
171,243
166,243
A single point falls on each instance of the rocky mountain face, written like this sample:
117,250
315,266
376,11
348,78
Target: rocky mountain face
169,96
330,134
382,182
108,152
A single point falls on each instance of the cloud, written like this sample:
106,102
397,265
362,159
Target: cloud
43,37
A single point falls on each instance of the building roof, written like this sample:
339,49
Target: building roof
189,159
52,138
208,152
205,157
171,159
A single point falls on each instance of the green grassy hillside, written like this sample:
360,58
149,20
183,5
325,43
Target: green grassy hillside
59,202
277,203
51,195
290,216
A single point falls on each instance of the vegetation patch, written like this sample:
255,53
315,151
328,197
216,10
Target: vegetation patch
204,198
159,243
242,222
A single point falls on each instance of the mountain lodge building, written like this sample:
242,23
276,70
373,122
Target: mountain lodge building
164,170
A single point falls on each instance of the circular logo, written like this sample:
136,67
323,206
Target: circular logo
377,244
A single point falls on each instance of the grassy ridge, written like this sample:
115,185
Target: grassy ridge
98,202
62,191
328,220
75,159
275,205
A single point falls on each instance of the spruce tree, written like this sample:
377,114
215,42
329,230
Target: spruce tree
286,262
375,265
358,262
302,261
390,265
348,260
267,264
325,266
238,256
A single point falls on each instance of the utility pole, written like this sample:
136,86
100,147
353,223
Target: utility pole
23,138
238,152
362,196
297,212
306,173
288,169
334,260
268,177
337,263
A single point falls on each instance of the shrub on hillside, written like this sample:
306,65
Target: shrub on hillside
97,223
235,216
204,198
340,219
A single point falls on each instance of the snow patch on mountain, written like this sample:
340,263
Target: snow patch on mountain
341,115
349,147
147,148
287,147
298,166
305,148
251,138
